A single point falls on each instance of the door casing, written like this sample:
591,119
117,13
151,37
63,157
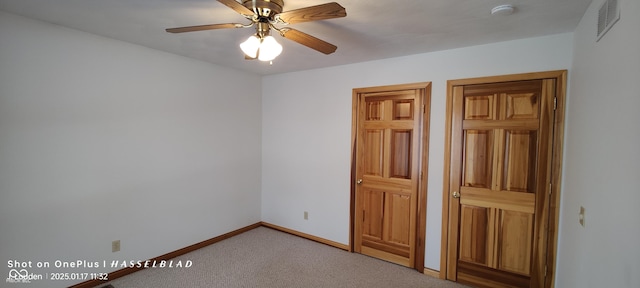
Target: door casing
556,165
425,87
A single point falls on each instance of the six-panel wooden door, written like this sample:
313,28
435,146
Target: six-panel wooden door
500,174
387,173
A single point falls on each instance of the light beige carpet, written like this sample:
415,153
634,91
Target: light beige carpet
264,257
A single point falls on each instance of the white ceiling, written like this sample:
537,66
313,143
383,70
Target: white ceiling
372,29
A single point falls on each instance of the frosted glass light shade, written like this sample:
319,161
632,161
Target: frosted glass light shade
251,46
269,49
265,49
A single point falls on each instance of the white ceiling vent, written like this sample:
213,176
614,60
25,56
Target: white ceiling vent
608,15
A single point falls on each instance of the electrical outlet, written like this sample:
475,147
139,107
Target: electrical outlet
306,215
115,246
581,216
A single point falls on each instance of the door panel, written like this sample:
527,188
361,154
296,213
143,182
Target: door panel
515,238
374,141
522,106
401,153
519,161
479,107
398,220
387,163
371,225
478,158
473,234
496,173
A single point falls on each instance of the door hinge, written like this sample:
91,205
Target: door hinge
545,270
555,103
363,216
550,187
424,108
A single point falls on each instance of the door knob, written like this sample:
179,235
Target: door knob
455,194
359,181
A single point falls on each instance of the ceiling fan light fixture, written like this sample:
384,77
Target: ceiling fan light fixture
264,14
269,49
250,46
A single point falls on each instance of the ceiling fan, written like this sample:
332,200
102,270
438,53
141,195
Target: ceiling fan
264,15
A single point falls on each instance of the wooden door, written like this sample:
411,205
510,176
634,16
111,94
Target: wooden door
388,159
501,139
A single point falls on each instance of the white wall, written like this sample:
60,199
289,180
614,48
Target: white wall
307,129
602,162
103,140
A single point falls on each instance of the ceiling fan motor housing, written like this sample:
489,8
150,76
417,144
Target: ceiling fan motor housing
264,8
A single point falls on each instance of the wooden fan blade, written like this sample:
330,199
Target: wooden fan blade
235,5
313,13
204,27
308,40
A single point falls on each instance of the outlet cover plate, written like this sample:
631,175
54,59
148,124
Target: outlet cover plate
115,246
